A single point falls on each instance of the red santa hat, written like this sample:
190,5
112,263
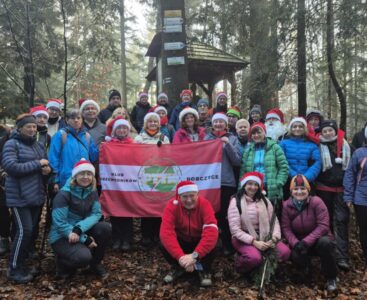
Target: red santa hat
81,166
143,94
184,187
158,108
258,125
220,116
151,115
89,102
55,103
275,113
162,95
188,110
186,92
220,94
252,176
299,120
39,110
112,126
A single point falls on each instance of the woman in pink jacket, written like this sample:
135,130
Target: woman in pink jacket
190,130
249,216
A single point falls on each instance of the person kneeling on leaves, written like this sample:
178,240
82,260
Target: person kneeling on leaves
77,235
189,234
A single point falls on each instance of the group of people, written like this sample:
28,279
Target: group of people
305,176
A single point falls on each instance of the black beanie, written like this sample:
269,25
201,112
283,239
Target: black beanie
113,93
329,123
25,120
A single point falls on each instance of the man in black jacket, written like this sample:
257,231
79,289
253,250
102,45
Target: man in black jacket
114,100
359,137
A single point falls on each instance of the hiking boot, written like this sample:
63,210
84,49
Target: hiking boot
126,246
19,275
343,265
146,242
331,285
98,270
205,279
4,246
116,245
174,275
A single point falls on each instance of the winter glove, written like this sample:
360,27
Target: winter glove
301,248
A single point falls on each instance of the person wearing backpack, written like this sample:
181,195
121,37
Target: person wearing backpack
68,146
249,215
25,162
355,191
78,236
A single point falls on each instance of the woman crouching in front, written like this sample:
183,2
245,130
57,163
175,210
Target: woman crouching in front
77,235
249,217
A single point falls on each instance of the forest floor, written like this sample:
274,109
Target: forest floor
139,273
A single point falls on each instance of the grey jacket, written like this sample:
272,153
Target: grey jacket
98,131
230,158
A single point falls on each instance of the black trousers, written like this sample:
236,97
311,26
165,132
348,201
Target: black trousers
189,247
77,255
150,228
339,221
122,228
361,215
5,219
24,220
225,196
325,249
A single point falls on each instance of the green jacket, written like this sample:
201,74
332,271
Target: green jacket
276,167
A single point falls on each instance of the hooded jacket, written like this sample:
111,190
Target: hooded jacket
195,225
276,167
63,157
308,225
74,206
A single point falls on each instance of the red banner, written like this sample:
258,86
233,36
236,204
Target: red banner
138,179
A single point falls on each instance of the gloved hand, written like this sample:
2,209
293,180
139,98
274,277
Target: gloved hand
301,247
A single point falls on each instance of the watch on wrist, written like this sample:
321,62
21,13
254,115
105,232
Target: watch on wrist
195,255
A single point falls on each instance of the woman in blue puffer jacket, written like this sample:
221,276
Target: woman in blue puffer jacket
25,162
303,156
68,146
355,191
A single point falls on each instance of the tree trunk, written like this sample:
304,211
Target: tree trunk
123,54
64,20
29,70
329,53
301,58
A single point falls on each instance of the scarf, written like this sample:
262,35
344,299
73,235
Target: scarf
164,121
242,139
343,152
151,132
298,204
264,221
53,121
219,134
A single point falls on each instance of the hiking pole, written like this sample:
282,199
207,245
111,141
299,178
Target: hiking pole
47,223
265,272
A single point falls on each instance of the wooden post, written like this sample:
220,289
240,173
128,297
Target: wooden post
174,64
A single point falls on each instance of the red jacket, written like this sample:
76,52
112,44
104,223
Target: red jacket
182,136
195,225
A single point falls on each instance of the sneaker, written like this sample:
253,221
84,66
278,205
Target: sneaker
99,270
19,275
4,246
205,279
126,246
343,265
174,275
331,285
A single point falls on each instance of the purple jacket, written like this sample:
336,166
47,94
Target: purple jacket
308,225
